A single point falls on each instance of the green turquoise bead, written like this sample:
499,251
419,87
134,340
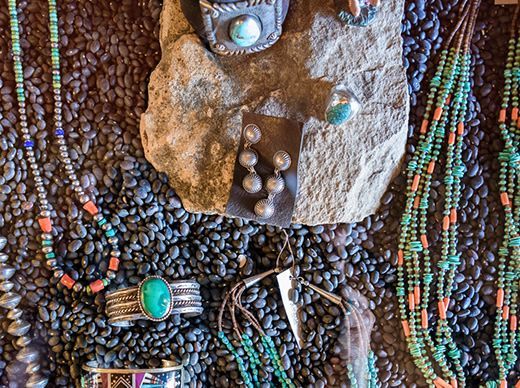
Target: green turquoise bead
155,298
245,30
338,114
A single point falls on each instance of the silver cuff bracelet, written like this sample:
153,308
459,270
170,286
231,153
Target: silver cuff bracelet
170,375
154,299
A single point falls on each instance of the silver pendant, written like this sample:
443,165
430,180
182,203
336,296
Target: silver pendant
292,310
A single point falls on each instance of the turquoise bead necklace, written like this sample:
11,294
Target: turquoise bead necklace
420,278
44,219
252,360
508,275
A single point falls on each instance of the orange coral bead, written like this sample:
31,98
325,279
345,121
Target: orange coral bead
424,319
96,286
460,128
514,113
45,224
453,216
113,264
500,297
415,183
446,223
91,208
454,383
503,384
451,138
442,309
431,167
441,383
502,116
416,202
424,126
406,328
67,281
504,198
513,323
438,113
400,257
417,294
505,312
424,241
411,301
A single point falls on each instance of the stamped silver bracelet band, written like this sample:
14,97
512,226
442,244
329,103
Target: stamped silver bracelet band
153,299
171,375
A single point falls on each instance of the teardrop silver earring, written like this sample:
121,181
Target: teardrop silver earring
274,185
248,158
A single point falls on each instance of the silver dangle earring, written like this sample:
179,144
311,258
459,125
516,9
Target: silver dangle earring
248,158
274,185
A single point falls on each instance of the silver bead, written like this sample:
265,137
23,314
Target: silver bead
112,240
23,341
248,158
6,286
19,328
32,368
77,287
264,208
27,355
106,226
275,184
37,381
45,213
281,160
84,199
115,253
46,236
58,273
47,249
10,300
3,258
252,133
111,274
252,183
52,264
14,314
98,217
6,272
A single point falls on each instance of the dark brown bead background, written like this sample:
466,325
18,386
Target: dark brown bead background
108,50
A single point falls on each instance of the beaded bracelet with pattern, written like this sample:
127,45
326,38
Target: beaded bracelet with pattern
59,135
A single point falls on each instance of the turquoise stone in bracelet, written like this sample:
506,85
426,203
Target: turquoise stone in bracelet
44,219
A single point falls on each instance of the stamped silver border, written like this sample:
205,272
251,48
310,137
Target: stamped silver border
211,11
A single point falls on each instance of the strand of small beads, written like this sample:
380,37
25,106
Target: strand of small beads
442,127
88,205
264,355
27,356
508,274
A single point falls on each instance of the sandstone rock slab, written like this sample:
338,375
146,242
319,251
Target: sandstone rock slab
191,129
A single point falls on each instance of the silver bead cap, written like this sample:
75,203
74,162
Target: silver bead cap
281,160
252,183
248,158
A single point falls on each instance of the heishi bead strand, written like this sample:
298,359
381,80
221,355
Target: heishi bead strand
506,327
44,219
438,358
410,244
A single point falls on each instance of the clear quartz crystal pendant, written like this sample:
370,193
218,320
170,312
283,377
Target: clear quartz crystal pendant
342,106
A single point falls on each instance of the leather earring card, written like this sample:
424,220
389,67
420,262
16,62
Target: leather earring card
278,134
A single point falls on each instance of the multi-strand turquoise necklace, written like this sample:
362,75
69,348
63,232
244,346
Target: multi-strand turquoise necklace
506,326
420,278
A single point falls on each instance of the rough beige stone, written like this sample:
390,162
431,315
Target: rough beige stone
192,126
